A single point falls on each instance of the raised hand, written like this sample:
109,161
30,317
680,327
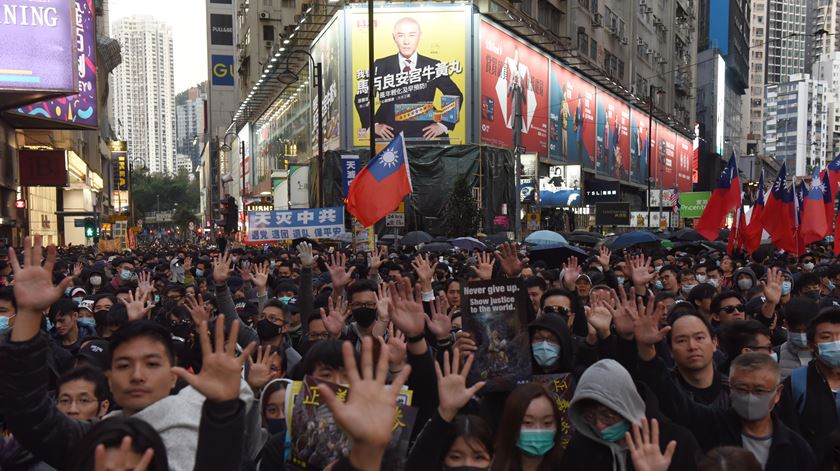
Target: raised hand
646,327
123,461
260,276
406,308
425,269
440,323
484,268
452,385
465,344
187,264
773,285
259,372
599,317
339,275
245,272
221,268
397,349
383,301
644,447
219,377
508,257
369,413
77,269
604,257
136,305
144,282
336,315
571,272
623,316
305,253
640,271
33,286
376,258
198,311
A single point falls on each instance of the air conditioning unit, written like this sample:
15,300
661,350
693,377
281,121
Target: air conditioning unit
649,51
243,53
649,10
597,20
642,3
268,44
264,15
625,41
640,42
662,60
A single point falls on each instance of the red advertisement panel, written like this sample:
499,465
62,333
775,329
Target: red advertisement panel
514,92
42,167
571,120
639,123
664,155
613,137
684,163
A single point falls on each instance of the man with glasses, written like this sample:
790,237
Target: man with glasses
727,307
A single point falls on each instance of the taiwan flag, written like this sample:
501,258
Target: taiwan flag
725,198
814,226
834,174
828,199
752,233
777,217
380,187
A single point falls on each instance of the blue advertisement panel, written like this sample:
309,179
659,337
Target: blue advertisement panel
349,168
269,226
222,70
571,118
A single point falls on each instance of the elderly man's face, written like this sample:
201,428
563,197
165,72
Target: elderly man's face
406,37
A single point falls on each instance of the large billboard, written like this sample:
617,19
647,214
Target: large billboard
613,137
561,187
37,50
684,163
42,167
664,155
639,135
514,91
79,109
327,51
420,74
221,29
571,118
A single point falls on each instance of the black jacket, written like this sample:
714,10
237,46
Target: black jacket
819,414
429,450
715,426
588,454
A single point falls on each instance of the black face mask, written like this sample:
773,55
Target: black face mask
266,330
276,426
364,316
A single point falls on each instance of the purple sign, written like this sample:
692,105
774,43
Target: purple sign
78,109
37,51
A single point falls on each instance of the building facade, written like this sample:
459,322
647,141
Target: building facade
144,94
752,108
827,69
189,127
786,39
796,123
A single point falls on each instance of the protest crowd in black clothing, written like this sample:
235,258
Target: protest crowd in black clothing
312,356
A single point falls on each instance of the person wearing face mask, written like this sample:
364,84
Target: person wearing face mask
808,263
96,281
809,399
796,352
552,348
272,402
808,286
605,405
748,423
745,280
124,275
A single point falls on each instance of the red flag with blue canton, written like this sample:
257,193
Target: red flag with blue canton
814,226
828,200
725,198
777,217
752,233
378,189
834,174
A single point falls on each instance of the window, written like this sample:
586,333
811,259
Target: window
593,49
583,42
268,32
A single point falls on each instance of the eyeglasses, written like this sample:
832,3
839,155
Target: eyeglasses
745,389
314,336
731,309
370,305
556,310
82,401
601,414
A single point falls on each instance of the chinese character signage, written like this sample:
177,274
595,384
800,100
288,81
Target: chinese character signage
38,50
269,226
514,91
571,123
599,191
420,74
349,169
327,52
79,109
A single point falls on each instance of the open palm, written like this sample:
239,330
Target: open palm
452,385
33,286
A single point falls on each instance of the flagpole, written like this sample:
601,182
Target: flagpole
371,93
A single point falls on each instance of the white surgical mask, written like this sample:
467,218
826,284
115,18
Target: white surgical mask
96,280
700,278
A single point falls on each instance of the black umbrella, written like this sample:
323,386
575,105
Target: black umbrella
686,235
496,239
555,255
629,239
583,238
416,238
437,247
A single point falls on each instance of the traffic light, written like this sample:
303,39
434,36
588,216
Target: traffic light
90,228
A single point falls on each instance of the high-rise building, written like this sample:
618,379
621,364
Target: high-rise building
190,126
796,128
827,69
752,109
786,38
144,91
823,30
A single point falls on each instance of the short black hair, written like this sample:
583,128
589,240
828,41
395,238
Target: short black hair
806,279
181,289
278,304
672,268
739,334
143,329
682,314
535,282
717,300
360,286
323,352
62,307
555,292
829,315
91,375
701,291
800,311
7,293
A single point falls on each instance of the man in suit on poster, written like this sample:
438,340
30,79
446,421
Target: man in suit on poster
409,78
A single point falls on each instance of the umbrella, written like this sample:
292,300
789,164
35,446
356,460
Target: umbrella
496,239
584,238
544,238
686,235
389,239
629,239
723,235
555,254
468,243
436,247
416,238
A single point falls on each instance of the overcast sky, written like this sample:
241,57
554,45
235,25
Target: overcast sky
189,30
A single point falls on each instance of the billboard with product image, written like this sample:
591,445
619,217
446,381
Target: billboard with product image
613,137
420,73
639,130
561,187
327,51
571,118
514,91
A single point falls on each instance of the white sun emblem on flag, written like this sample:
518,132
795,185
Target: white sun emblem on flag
390,159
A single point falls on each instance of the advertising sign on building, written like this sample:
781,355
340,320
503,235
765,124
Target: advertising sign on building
80,109
684,163
514,91
269,226
298,186
119,161
221,30
562,186
222,70
613,141
327,51
349,169
612,214
571,123
424,100
639,130
39,47
42,167
598,191
692,203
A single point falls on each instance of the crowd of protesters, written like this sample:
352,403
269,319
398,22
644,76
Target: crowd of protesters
179,358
